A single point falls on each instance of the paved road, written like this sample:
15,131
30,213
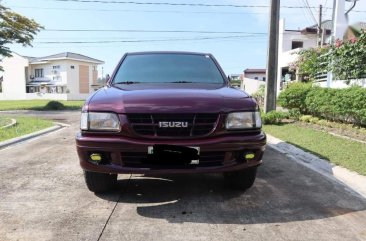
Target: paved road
43,197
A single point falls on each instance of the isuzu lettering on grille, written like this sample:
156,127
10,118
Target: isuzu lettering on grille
173,124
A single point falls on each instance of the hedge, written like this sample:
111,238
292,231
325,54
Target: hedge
345,105
274,117
294,96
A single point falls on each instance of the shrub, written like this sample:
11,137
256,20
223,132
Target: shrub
345,105
305,118
274,117
259,95
323,123
346,59
54,105
294,96
294,113
311,61
314,120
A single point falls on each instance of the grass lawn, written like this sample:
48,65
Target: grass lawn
25,125
37,104
4,121
346,153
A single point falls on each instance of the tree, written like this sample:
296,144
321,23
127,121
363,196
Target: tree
15,28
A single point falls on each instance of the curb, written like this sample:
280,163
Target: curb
16,140
351,180
13,122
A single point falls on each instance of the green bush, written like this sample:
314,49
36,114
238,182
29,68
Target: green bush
345,105
259,95
305,118
294,96
323,123
341,105
314,120
274,117
294,113
54,105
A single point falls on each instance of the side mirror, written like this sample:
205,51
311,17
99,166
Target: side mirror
229,78
107,78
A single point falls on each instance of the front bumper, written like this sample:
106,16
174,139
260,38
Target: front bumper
127,155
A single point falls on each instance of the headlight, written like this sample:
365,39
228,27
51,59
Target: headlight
96,121
243,120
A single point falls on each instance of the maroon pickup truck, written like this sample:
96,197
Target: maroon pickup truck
169,112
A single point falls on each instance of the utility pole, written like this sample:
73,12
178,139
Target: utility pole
272,58
320,37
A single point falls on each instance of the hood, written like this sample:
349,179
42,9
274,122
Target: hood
180,99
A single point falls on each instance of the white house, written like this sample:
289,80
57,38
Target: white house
290,43
253,79
64,76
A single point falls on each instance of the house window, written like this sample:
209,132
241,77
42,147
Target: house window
256,78
297,44
61,89
72,67
32,89
1,84
56,67
38,73
56,78
264,78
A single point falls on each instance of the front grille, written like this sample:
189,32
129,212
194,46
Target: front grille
138,159
148,124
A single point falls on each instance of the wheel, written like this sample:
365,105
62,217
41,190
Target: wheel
100,182
243,179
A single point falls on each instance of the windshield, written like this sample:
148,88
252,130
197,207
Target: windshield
168,68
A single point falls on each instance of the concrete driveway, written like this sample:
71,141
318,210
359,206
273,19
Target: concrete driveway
43,197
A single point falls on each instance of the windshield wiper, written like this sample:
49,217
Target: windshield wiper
181,82
128,82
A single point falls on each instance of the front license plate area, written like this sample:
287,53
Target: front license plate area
171,154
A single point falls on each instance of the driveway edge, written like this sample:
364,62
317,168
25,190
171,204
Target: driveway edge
350,179
16,140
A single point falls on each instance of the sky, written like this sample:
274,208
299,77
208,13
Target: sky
236,35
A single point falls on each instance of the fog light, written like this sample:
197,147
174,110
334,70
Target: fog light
96,157
249,156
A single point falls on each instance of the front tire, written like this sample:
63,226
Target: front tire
100,182
243,179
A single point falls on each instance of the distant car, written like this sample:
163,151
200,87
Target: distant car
169,112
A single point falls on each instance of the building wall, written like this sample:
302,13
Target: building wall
287,55
84,79
260,76
74,74
251,85
14,77
59,76
340,84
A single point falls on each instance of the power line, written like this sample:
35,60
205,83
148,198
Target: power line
140,41
309,10
143,11
304,12
246,34
172,4
152,31
49,46
162,3
157,11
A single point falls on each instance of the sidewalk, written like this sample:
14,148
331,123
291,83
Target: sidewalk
340,174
